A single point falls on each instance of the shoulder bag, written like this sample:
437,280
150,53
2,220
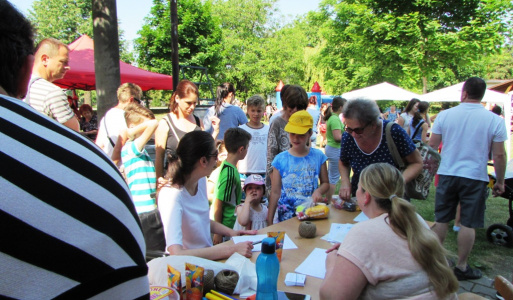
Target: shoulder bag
418,188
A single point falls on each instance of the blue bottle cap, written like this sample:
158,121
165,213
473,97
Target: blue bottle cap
269,245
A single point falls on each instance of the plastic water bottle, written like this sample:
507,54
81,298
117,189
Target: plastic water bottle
267,269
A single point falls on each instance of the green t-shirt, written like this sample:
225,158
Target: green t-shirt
228,190
333,123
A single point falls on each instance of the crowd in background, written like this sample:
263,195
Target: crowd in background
76,224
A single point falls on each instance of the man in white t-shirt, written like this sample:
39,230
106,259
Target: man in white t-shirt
113,123
50,64
468,132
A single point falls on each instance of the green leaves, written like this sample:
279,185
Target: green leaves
66,21
370,41
50,21
199,36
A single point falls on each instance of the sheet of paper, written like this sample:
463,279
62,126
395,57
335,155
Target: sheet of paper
314,265
289,244
361,217
337,232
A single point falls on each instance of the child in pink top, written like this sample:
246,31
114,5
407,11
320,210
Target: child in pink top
252,214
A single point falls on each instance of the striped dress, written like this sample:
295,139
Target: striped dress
141,177
68,226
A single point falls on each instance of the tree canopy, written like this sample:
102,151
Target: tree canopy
199,36
421,45
48,18
66,21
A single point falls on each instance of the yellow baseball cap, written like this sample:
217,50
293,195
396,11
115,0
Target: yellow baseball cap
299,123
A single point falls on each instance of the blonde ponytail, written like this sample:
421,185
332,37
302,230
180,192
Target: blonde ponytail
383,182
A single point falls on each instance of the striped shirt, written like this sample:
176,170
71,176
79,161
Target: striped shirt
141,177
68,226
49,99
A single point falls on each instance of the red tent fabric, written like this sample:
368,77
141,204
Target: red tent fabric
81,73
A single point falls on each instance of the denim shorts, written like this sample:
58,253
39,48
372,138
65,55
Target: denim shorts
470,193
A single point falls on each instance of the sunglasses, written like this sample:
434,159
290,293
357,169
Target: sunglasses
358,130
138,100
215,154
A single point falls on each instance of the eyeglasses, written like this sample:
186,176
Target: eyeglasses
215,154
358,130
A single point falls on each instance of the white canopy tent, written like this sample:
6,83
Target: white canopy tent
381,91
453,94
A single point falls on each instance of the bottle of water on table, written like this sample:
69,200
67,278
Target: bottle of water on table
267,269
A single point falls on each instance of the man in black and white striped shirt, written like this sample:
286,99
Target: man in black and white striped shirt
50,64
68,228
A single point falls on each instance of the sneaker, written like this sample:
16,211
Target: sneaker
456,228
469,273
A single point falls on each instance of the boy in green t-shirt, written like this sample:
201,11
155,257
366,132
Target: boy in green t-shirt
228,191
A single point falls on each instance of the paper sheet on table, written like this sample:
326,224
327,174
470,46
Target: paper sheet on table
337,232
361,217
288,244
315,264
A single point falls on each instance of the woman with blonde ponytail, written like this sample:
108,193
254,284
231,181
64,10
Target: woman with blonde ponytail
394,255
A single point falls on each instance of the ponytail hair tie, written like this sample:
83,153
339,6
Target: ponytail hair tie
392,196
171,154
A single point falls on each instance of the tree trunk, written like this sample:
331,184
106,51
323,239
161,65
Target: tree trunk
88,99
106,54
424,84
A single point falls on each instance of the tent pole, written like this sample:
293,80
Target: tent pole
174,43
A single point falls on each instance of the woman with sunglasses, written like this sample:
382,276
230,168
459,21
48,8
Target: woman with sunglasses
183,204
364,143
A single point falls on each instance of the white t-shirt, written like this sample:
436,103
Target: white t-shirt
386,261
185,217
468,131
407,121
114,123
256,159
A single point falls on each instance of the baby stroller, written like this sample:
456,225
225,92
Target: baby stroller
501,234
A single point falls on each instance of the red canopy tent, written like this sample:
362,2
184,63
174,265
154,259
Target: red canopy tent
81,73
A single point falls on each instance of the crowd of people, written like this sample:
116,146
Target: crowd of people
90,209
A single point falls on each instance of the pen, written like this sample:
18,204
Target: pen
222,295
211,296
256,243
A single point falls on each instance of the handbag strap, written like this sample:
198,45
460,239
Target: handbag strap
107,131
392,147
417,129
170,124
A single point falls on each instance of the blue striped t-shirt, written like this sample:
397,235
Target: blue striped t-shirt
140,176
